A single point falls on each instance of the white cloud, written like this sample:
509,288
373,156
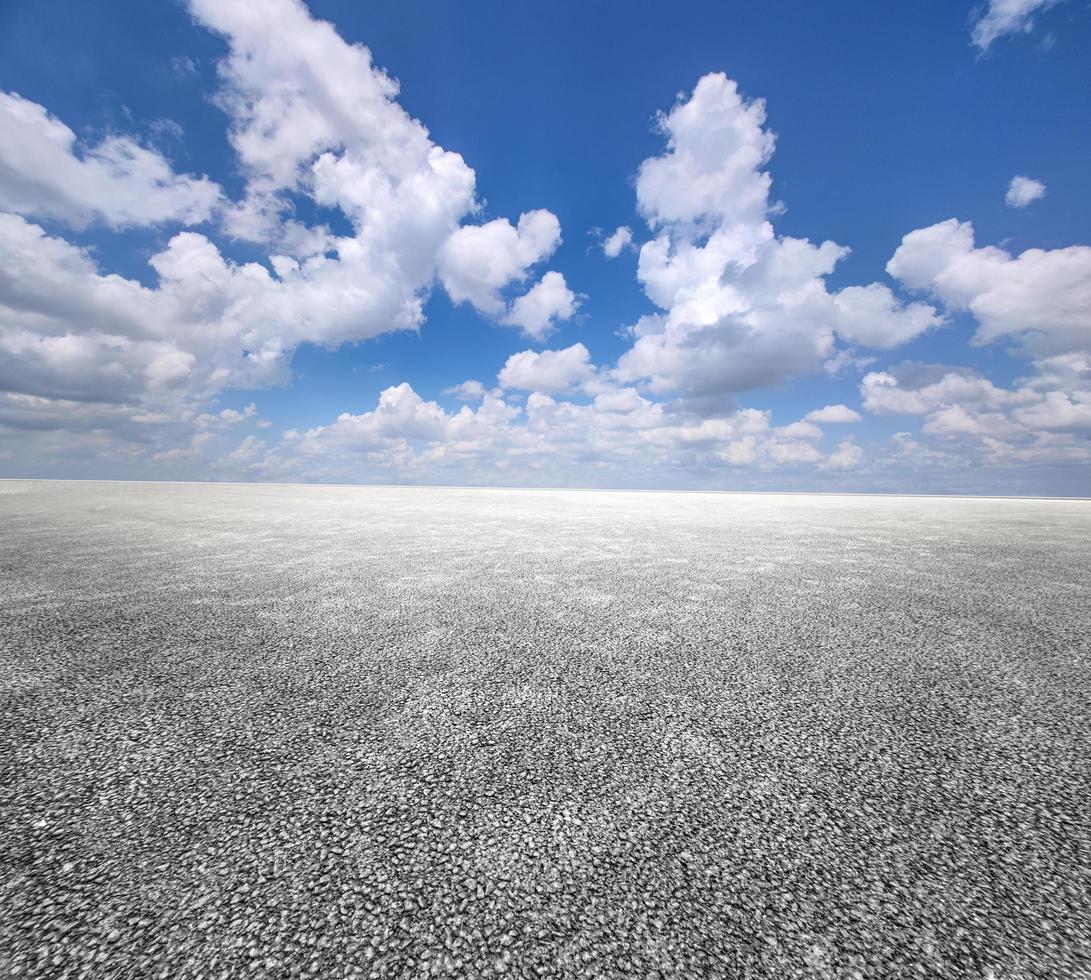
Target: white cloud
548,370
1041,297
802,429
793,451
312,113
1058,410
871,315
847,359
1034,422
188,453
538,310
470,391
45,172
917,389
742,306
228,417
247,452
309,115
71,331
1023,191
68,333
578,420
403,430
620,435
711,174
477,261
620,239
847,456
833,414
1002,17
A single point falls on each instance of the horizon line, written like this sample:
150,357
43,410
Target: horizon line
448,486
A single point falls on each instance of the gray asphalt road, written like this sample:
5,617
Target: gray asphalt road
332,732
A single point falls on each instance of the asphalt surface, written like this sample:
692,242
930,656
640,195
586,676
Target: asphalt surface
335,732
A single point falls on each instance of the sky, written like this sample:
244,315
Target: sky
782,246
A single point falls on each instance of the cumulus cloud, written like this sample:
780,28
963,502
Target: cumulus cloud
470,391
917,389
847,456
45,172
1023,191
1042,418
309,116
71,331
97,364
834,414
247,452
872,316
312,113
742,306
613,244
619,434
538,310
793,451
802,429
548,370
478,261
70,334
227,417
393,432
1002,17
1058,410
711,174
1041,297
848,360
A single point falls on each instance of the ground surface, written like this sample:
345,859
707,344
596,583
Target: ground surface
280,731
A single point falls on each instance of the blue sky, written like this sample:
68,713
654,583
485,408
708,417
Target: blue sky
235,250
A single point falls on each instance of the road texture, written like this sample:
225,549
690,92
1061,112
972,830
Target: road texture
257,731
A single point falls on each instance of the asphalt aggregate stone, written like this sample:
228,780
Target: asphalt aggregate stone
334,732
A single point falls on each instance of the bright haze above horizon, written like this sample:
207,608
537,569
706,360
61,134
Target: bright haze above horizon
786,246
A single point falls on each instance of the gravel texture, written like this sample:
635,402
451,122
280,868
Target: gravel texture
257,731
